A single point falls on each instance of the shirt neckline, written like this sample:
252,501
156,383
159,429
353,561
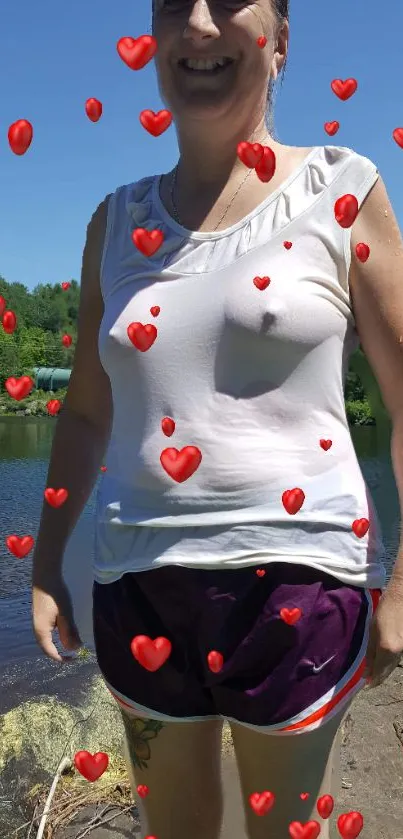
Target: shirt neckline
219,234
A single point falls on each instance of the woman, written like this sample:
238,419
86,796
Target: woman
232,520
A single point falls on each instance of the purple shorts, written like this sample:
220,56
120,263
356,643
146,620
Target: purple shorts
283,677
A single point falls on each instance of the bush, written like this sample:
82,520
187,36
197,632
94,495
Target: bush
359,413
34,405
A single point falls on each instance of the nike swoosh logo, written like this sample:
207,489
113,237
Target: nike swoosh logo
321,666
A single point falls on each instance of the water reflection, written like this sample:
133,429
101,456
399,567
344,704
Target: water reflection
26,438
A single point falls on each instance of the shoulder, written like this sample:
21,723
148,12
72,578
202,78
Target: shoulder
333,159
96,230
348,158
99,217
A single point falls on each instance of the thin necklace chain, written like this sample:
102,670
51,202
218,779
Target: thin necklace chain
173,185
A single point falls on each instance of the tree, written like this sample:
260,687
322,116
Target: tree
9,357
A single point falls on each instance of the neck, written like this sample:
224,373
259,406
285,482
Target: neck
220,162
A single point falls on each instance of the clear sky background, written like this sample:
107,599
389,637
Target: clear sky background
55,55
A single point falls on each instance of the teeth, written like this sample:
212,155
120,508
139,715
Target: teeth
203,65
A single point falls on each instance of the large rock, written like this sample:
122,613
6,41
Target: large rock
36,735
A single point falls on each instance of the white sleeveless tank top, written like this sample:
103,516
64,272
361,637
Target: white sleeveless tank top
252,377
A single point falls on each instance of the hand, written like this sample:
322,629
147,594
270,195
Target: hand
52,609
385,646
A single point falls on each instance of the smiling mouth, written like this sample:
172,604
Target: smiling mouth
212,67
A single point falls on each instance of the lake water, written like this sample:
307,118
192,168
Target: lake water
24,452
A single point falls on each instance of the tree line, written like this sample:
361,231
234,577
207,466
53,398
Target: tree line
44,316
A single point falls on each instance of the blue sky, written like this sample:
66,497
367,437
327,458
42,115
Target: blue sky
54,56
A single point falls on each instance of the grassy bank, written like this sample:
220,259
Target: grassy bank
33,406
358,411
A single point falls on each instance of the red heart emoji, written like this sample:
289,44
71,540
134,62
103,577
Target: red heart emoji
154,311
262,802
66,286
20,136
103,469
261,282
137,52
332,128
398,136
143,790
3,305
261,41
266,167
67,340
20,546
142,336
156,123
293,500
147,241
287,245
304,796
324,806
250,153
290,616
360,527
150,654
19,388
215,661
350,824
362,251
180,465
55,497
309,830
346,210
91,766
9,322
344,89
53,407
325,444
93,109
168,426
260,572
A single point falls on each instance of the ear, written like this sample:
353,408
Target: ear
281,50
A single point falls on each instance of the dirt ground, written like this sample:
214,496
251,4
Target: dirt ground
34,735
372,773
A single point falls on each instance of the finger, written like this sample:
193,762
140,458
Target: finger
45,641
68,633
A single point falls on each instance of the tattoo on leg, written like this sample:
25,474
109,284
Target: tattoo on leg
139,733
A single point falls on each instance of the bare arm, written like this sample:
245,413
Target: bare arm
83,428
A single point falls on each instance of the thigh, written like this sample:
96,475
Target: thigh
160,603
288,765
180,763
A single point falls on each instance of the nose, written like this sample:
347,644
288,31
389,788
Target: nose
200,25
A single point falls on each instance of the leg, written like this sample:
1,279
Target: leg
288,765
181,765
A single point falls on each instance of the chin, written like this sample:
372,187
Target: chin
203,105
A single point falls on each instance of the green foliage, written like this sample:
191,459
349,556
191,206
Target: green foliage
44,315
33,405
359,413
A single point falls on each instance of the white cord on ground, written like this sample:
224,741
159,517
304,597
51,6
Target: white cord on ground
64,764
